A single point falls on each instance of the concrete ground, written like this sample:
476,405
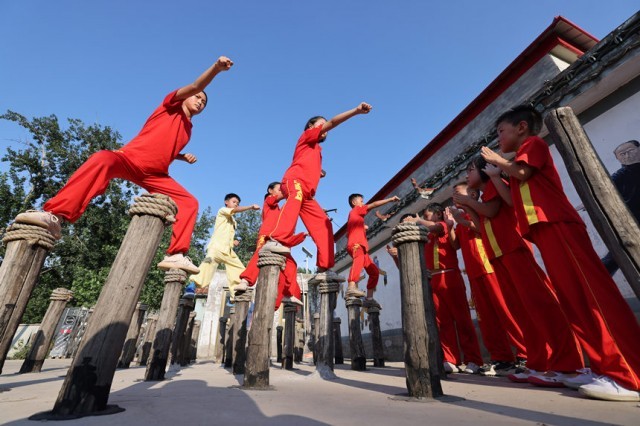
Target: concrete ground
205,393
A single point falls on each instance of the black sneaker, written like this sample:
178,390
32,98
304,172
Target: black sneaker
487,370
520,365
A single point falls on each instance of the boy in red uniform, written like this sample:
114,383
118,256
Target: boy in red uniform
499,329
358,248
144,161
552,349
288,287
599,315
449,294
299,186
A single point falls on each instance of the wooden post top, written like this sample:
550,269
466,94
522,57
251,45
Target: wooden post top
408,233
224,320
158,205
353,301
33,235
329,287
278,327
268,258
290,307
246,296
316,315
175,276
232,310
141,306
337,320
373,310
187,302
61,294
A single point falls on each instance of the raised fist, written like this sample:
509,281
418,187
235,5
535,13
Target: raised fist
224,63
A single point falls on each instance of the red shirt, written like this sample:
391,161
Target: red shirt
438,251
500,233
355,227
540,198
476,259
270,214
307,160
166,132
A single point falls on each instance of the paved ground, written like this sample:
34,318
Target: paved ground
205,393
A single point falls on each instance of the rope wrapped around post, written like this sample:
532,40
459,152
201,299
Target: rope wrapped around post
422,352
158,205
33,235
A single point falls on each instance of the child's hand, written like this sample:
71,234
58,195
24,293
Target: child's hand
255,207
490,156
491,170
448,217
363,108
190,158
382,217
323,173
224,63
393,251
394,199
411,219
461,199
236,243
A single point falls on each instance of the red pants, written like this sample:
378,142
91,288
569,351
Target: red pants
599,315
93,177
287,283
454,319
550,343
300,204
361,260
499,329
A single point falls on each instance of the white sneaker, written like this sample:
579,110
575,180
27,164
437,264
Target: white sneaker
584,378
293,300
275,247
522,377
450,367
605,388
471,368
46,220
241,287
178,261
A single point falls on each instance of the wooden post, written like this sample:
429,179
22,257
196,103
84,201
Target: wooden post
358,356
184,347
421,343
149,337
27,248
256,373
376,336
324,343
220,344
185,307
242,302
279,344
194,340
85,390
337,339
609,214
174,280
290,310
129,350
228,347
316,327
298,350
42,341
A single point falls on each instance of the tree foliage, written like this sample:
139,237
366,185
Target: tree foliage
35,171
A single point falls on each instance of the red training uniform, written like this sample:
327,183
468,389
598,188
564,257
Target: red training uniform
599,315
358,248
144,161
299,186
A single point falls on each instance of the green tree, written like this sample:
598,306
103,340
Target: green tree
247,233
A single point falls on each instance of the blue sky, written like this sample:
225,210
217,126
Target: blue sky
418,63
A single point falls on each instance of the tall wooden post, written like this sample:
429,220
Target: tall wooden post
256,373
85,390
421,343
194,340
279,344
376,336
337,339
185,307
609,214
184,346
220,343
174,280
316,346
324,344
129,350
298,350
27,248
228,346
358,356
149,337
42,341
242,302
290,310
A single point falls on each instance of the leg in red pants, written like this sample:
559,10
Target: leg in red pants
548,338
300,204
288,282
361,260
445,323
93,177
489,301
252,271
599,315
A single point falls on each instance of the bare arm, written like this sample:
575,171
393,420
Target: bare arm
382,202
222,64
363,108
241,209
516,170
488,209
434,227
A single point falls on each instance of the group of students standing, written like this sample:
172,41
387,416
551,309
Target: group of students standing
549,319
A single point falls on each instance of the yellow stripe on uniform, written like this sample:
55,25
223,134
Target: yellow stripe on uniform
436,257
483,256
529,209
492,238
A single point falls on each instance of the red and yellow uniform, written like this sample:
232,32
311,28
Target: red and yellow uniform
450,301
599,315
358,248
499,329
144,161
550,343
299,186
288,282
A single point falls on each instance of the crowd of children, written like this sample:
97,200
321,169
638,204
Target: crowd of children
538,327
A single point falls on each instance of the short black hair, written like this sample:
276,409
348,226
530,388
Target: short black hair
313,120
520,113
232,195
206,98
632,141
435,208
406,215
479,163
270,187
353,197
